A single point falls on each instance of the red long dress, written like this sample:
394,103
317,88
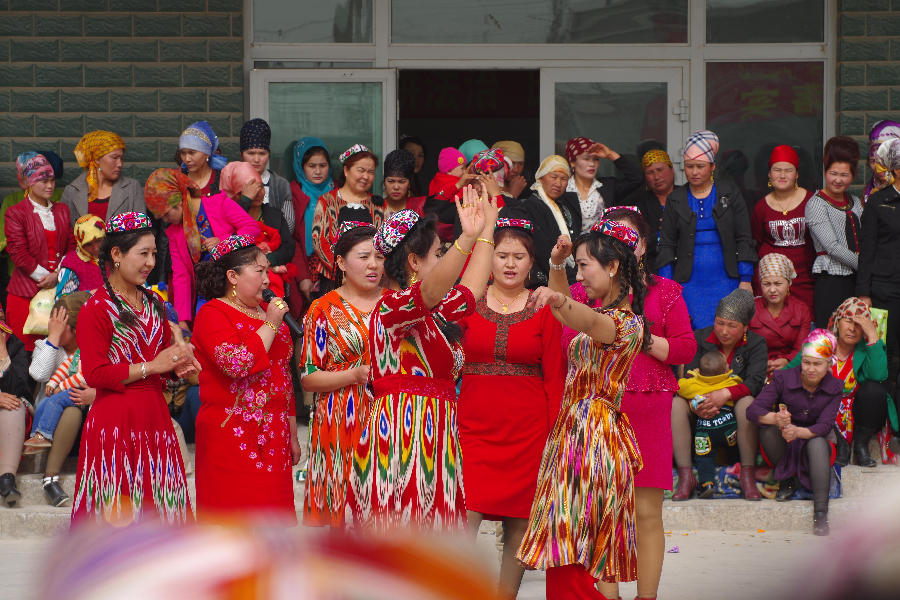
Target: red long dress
243,458
786,234
130,463
512,385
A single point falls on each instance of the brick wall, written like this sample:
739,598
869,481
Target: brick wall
868,77
142,68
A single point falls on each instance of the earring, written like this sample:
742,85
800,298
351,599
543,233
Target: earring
611,275
745,337
770,184
641,264
796,185
116,265
234,292
413,279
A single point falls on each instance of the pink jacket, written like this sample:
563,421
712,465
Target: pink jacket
226,217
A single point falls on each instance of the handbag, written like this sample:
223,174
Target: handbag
39,312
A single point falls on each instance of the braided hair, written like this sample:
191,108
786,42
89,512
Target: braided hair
606,249
125,241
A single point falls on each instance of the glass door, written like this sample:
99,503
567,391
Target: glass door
631,110
342,107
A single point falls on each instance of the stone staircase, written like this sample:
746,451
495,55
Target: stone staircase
32,517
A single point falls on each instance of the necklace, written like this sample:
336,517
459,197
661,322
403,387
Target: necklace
128,300
505,305
246,311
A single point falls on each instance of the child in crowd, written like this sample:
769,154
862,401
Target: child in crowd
449,180
717,431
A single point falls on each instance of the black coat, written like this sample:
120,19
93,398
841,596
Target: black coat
879,245
679,224
16,380
652,211
614,190
749,360
546,232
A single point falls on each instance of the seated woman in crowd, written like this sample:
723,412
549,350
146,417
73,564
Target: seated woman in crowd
651,198
195,227
198,153
705,243
878,278
882,177
796,412
745,352
553,213
15,386
38,234
780,318
832,215
860,361
79,269
512,385
778,222
239,179
354,186
255,137
58,416
592,194
102,190
312,180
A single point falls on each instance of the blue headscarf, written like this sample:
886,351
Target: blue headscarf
200,136
312,190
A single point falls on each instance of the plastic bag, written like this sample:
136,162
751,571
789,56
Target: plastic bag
39,312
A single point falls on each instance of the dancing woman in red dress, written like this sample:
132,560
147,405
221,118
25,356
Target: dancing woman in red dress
246,426
130,464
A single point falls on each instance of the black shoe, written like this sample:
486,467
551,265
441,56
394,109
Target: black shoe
8,489
707,489
54,492
786,489
842,457
861,456
820,522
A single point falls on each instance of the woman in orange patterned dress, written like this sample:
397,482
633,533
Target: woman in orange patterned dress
335,368
582,520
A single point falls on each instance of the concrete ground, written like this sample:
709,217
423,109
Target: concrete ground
709,564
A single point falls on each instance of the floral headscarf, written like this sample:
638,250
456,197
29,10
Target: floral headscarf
170,187
90,149
87,229
850,308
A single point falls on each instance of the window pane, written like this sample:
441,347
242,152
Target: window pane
754,107
764,21
312,22
539,22
341,113
623,116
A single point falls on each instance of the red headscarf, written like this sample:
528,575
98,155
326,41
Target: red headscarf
784,154
577,146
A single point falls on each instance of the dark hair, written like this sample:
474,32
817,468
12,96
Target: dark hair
72,303
340,179
516,233
713,363
411,139
606,249
637,222
418,241
125,241
210,274
345,244
312,152
841,149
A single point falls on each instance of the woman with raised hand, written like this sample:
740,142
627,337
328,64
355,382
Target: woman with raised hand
407,465
335,368
581,527
511,388
130,465
246,429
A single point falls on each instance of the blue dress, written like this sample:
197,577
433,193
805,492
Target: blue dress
709,280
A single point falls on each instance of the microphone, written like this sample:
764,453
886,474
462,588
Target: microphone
268,295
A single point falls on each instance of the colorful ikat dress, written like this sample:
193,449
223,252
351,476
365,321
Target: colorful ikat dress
407,466
130,465
583,511
336,338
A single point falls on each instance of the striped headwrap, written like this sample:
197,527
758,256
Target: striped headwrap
90,149
702,145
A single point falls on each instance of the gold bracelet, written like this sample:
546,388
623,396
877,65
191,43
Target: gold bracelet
272,325
463,252
486,241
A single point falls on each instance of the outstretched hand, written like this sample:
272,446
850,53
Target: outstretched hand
562,250
470,209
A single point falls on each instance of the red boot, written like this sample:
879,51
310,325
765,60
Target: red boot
686,484
748,483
